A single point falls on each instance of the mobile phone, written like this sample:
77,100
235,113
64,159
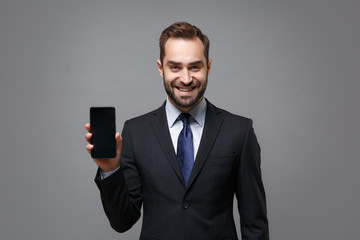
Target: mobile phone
103,128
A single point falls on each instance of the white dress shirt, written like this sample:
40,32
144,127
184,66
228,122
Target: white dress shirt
197,121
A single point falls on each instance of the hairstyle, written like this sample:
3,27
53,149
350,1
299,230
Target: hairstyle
183,30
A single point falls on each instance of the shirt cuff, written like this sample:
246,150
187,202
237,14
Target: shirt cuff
104,175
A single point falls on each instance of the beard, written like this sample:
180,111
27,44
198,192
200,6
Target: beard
185,102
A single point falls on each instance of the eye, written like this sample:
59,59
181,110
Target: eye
174,67
195,67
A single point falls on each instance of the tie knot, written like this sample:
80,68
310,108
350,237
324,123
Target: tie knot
184,117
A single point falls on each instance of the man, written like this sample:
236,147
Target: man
185,161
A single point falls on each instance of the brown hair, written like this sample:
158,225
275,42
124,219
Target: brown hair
183,30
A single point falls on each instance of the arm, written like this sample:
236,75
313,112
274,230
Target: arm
121,191
250,191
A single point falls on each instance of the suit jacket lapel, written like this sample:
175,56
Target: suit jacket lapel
212,126
161,129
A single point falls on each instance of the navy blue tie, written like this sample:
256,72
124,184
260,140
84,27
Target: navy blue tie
185,148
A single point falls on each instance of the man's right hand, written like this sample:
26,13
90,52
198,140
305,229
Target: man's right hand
105,164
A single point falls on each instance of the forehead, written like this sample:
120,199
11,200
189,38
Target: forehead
184,50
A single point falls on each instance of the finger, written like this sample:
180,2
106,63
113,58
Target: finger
87,126
88,137
118,139
89,147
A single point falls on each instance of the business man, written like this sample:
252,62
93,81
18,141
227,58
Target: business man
185,161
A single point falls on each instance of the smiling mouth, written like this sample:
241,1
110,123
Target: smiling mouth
185,89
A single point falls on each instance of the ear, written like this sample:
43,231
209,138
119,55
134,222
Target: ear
160,68
209,65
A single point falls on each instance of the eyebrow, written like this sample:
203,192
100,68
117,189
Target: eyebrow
197,63
179,63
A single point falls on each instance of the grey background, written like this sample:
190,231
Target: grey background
291,66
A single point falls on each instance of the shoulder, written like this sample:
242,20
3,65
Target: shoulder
227,116
233,128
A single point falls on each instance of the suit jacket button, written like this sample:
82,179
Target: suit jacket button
185,205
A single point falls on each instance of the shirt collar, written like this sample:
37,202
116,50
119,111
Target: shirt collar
198,112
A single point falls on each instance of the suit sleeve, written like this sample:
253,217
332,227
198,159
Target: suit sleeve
250,191
121,192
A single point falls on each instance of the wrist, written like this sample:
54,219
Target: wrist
110,168
104,175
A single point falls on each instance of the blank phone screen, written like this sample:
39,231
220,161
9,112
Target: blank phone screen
102,127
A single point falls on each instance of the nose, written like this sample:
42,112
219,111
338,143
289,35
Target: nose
186,78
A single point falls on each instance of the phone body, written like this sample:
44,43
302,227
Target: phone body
103,128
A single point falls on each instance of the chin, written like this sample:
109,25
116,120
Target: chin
186,103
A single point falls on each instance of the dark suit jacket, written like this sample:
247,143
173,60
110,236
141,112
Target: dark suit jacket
227,163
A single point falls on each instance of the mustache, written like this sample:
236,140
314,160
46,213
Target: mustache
178,83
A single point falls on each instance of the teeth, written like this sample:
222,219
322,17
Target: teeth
185,89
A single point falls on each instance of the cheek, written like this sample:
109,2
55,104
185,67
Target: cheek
170,76
200,76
